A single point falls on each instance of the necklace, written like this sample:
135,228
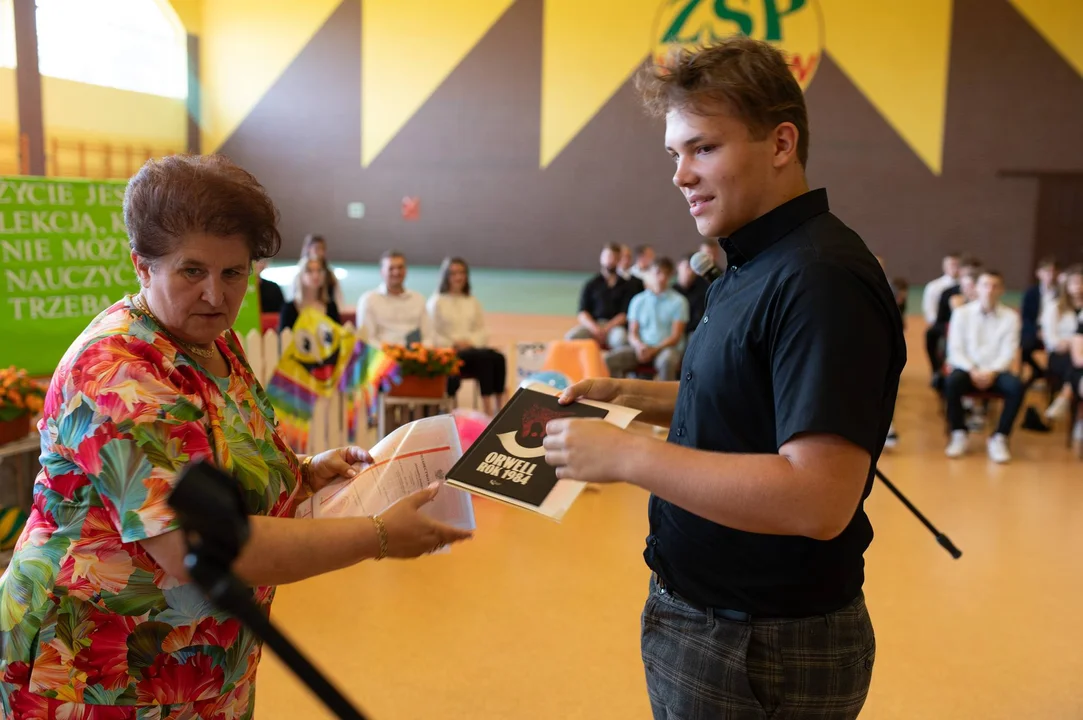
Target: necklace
141,303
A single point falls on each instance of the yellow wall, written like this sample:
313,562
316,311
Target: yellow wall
96,116
100,113
9,122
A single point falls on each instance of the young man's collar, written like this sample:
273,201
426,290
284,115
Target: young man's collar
763,232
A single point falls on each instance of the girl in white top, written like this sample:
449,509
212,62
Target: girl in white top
1060,322
458,321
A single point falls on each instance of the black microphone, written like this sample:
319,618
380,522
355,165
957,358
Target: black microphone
702,264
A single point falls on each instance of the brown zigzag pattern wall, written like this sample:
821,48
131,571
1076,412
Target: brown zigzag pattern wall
471,155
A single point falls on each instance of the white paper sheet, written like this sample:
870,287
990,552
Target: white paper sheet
407,460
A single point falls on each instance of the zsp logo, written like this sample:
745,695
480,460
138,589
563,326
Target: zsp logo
793,26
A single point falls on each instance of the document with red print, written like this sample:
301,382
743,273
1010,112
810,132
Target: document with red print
407,460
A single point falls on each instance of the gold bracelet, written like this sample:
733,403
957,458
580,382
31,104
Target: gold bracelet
381,536
306,471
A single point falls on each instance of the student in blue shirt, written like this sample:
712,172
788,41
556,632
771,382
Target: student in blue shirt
656,321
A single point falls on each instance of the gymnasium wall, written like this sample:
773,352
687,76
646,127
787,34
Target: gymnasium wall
514,127
76,113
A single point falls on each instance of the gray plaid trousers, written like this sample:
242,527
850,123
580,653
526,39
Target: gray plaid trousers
701,666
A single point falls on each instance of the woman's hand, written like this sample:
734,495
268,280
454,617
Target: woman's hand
332,466
411,533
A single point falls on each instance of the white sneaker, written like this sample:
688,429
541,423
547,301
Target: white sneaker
1077,431
892,437
1057,408
998,449
958,445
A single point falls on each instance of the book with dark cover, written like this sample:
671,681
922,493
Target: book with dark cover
507,461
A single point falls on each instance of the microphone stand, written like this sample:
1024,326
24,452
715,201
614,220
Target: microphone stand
212,515
941,538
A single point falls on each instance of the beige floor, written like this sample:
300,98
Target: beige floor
535,620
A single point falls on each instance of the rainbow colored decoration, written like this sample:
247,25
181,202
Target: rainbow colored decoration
323,358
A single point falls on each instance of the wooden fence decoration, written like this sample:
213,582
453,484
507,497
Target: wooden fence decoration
330,417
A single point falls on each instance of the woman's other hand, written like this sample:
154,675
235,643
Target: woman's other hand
331,466
411,533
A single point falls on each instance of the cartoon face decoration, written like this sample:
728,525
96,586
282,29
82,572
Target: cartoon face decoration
320,350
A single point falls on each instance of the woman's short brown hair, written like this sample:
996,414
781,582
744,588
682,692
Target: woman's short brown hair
180,194
751,77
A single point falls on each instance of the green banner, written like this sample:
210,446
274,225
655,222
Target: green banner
65,257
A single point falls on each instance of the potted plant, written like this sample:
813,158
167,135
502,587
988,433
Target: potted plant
21,398
424,370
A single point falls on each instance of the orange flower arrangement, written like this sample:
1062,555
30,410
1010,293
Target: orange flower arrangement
422,361
19,394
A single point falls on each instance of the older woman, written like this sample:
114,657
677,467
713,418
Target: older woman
98,619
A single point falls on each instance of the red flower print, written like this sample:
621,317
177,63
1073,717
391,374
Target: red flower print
168,682
28,706
218,634
64,484
192,438
105,662
88,455
17,673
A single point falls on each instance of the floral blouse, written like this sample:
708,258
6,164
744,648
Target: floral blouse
86,614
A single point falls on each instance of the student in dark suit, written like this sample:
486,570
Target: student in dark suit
1035,300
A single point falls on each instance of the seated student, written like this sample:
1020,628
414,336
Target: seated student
714,249
937,333
644,259
603,304
315,246
930,308
392,314
458,321
982,340
1036,300
271,299
968,289
1059,324
310,289
694,289
656,321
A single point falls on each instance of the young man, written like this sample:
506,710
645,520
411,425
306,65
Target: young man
982,341
391,313
656,321
603,304
931,302
757,526
644,261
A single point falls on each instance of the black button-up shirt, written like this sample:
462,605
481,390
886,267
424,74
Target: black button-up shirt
605,302
800,335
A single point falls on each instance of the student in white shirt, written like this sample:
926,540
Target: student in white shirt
1060,321
983,337
930,308
392,314
458,321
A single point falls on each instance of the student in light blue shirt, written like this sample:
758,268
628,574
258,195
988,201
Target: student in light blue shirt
656,321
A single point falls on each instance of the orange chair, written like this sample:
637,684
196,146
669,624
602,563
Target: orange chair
576,359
